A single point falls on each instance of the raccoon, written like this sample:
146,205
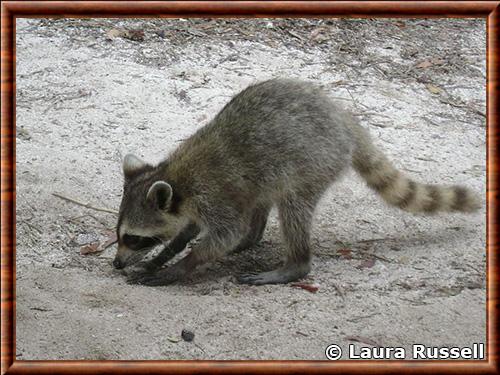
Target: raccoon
277,143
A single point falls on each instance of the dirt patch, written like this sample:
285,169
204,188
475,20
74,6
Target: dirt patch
89,91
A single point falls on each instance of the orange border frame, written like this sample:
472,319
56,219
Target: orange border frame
10,10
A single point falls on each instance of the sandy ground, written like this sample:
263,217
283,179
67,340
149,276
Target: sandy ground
89,91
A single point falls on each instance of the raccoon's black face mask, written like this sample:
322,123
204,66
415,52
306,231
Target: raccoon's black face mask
148,212
138,243
132,248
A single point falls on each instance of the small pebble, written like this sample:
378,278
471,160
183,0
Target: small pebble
23,134
187,335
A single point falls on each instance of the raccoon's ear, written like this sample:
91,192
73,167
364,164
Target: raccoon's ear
131,165
160,195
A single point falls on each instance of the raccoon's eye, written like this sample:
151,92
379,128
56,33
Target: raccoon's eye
130,241
138,242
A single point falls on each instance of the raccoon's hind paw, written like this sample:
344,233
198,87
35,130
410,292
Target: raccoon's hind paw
281,275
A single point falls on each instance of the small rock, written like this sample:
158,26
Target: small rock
135,35
23,134
84,239
148,52
161,33
187,335
182,95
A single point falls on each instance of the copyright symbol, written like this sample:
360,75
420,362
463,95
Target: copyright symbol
333,352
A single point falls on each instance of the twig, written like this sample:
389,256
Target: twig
363,340
414,302
79,217
475,269
378,62
40,309
379,257
199,347
453,104
380,125
32,226
86,205
339,291
352,97
75,221
294,34
375,240
358,318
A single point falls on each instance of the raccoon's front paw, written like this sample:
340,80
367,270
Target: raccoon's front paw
141,268
137,276
162,277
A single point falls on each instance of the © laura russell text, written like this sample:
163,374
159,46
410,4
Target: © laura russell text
418,351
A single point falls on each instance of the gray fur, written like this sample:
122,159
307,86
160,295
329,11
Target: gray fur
280,142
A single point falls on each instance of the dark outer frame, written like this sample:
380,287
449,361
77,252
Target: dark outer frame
10,10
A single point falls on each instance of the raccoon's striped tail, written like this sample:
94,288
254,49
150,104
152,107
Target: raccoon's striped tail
400,191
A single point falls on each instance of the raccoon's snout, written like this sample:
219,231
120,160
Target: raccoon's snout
118,264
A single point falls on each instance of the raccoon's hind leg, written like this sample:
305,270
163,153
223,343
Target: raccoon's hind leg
257,226
295,215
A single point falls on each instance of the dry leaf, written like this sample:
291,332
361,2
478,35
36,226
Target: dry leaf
437,61
428,63
90,248
448,291
424,64
135,35
345,253
110,241
339,82
433,89
318,35
317,31
313,288
97,247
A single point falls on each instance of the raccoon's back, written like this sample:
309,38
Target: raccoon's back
278,125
